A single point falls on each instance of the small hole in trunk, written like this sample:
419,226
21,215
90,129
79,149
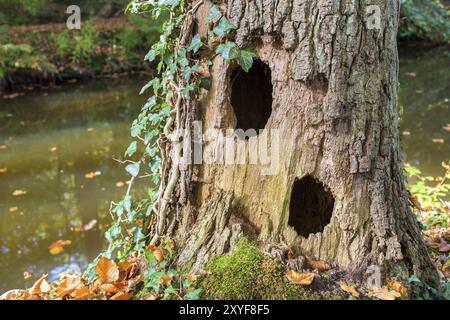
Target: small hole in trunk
251,96
311,206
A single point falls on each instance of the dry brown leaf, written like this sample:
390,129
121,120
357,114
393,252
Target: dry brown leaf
122,296
304,279
52,149
26,275
446,127
92,175
397,286
3,170
3,146
41,286
384,293
192,277
319,265
109,288
120,184
438,141
166,280
58,246
157,253
17,193
16,295
107,270
82,293
349,289
13,209
68,285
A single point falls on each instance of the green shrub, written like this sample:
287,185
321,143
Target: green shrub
424,20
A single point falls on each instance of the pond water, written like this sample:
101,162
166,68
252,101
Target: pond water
58,147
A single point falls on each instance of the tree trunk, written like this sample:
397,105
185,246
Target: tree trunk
338,193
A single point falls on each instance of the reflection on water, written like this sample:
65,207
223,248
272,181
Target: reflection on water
52,142
424,99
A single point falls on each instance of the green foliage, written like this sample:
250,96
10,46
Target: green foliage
248,274
21,57
164,280
424,20
77,45
430,195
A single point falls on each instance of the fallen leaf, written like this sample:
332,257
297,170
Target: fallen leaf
397,286
446,127
90,129
16,295
3,170
192,277
53,149
92,175
17,193
438,141
122,296
109,288
304,279
56,250
41,286
444,246
166,280
406,133
26,275
107,270
58,246
319,265
120,184
411,74
3,146
82,293
349,289
13,209
384,293
67,285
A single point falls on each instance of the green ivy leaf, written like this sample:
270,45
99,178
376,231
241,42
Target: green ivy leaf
133,169
223,28
131,149
196,44
245,59
228,50
214,14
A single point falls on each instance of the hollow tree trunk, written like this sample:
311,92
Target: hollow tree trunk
338,194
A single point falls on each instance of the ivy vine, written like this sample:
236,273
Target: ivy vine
182,71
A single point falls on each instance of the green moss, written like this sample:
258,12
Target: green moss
248,274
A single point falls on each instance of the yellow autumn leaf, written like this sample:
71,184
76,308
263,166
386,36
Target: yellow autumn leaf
304,279
349,289
384,293
41,286
107,270
319,265
397,286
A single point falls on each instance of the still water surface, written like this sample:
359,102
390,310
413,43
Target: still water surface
56,140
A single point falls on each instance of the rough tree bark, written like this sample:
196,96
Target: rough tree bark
334,91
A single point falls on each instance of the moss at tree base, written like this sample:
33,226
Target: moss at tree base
247,274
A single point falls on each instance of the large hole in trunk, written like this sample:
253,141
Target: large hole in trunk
311,206
251,96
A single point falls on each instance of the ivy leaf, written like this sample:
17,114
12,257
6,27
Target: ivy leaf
214,14
196,44
131,149
228,51
133,169
223,28
245,59
127,203
151,55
